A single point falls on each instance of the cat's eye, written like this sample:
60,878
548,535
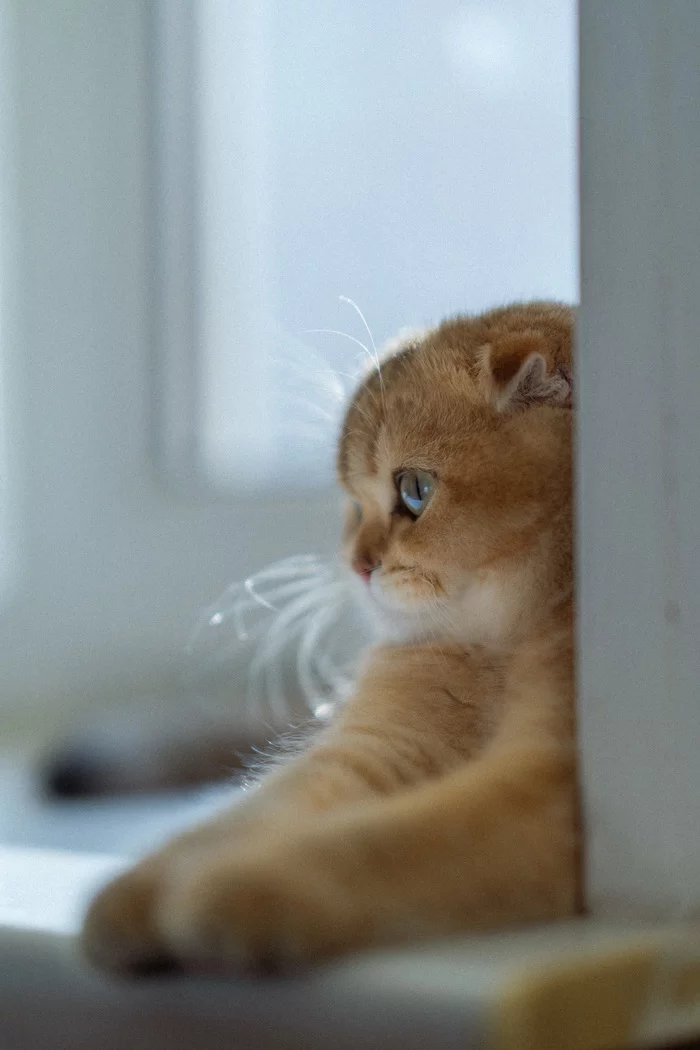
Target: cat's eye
416,488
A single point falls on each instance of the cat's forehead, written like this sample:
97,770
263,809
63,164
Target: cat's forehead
434,390
405,414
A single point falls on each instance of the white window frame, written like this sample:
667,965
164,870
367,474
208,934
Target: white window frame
210,198
639,453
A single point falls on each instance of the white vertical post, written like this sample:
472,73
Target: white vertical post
639,453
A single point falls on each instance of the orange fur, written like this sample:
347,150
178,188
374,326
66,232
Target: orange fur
443,797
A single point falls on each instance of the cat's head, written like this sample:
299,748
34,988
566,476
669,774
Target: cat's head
456,458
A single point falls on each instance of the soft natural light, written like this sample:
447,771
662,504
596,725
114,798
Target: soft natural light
419,159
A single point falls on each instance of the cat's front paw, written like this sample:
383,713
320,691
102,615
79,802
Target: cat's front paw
259,914
268,911
120,932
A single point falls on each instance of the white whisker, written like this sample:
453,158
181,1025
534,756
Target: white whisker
294,566
276,641
350,302
249,585
335,331
309,667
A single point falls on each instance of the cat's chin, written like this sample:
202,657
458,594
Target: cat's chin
397,628
396,623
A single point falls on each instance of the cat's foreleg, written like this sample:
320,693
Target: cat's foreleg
413,718
491,844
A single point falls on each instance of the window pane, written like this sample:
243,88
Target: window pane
417,158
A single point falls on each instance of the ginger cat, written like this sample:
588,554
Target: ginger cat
443,796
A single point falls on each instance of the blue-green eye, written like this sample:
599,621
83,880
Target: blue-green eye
416,488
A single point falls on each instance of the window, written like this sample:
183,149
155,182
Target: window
418,159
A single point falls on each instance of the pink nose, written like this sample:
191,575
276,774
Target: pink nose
364,567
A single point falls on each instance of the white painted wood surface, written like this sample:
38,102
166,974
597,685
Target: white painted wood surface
639,463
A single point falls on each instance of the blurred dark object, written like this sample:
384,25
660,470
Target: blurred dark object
132,755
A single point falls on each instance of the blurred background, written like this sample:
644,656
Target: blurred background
188,188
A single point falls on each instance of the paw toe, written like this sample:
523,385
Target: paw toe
237,918
119,932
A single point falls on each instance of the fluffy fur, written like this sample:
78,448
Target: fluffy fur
442,797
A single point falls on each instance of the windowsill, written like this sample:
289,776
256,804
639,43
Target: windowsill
580,984
482,992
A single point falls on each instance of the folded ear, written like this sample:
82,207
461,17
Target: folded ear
516,374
